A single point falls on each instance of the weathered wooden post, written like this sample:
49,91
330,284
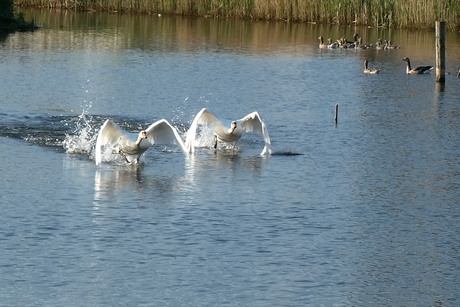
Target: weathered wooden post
440,51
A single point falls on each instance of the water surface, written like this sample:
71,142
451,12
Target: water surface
362,212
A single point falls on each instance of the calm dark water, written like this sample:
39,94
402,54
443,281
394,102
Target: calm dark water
362,213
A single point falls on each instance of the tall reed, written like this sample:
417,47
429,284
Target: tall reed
379,13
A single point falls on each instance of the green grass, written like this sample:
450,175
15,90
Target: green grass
377,13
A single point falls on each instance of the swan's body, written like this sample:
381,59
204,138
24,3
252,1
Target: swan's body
417,70
132,145
370,70
227,131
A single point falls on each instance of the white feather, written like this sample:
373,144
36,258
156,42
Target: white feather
114,138
250,123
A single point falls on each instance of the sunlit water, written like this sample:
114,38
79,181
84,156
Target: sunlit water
359,213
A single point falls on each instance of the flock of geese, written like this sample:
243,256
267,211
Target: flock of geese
112,139
357,43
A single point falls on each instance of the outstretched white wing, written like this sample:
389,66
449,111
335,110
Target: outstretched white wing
109,134
253,123
162,132
204,117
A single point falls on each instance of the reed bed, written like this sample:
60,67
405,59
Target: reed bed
377,13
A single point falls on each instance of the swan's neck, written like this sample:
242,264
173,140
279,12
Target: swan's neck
231,130
139,140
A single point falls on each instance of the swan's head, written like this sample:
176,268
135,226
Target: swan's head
232,128
143,134
405,59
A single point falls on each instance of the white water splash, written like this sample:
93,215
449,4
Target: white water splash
83,138
204,137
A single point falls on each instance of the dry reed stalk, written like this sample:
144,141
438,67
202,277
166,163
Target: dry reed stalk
387,13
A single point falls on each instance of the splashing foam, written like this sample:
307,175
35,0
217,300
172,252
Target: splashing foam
205,137
83,138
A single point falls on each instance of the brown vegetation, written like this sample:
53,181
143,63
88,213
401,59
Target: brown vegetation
377,13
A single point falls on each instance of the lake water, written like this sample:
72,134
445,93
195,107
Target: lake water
364,212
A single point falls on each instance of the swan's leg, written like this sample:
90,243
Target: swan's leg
123,155
215,141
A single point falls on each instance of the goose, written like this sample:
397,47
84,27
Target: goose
388,45
322,45
346,44
370,70
417,70
331,45
355,38
227,131
350,45
380,45
131,145
366,46
360,45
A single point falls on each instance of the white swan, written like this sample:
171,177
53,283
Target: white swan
227,131
132,145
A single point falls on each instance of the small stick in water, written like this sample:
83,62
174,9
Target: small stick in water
336,112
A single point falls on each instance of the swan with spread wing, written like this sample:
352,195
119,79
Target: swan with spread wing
227,131
132,145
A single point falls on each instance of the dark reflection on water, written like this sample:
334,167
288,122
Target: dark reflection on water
174,33
359,213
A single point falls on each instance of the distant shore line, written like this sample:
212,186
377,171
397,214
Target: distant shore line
374,13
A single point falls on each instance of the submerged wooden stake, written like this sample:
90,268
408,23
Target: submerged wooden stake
336,112
440,51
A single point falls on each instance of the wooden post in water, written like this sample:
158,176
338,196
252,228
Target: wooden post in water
440,51
336,112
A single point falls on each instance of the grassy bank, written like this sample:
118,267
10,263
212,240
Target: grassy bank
378,13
